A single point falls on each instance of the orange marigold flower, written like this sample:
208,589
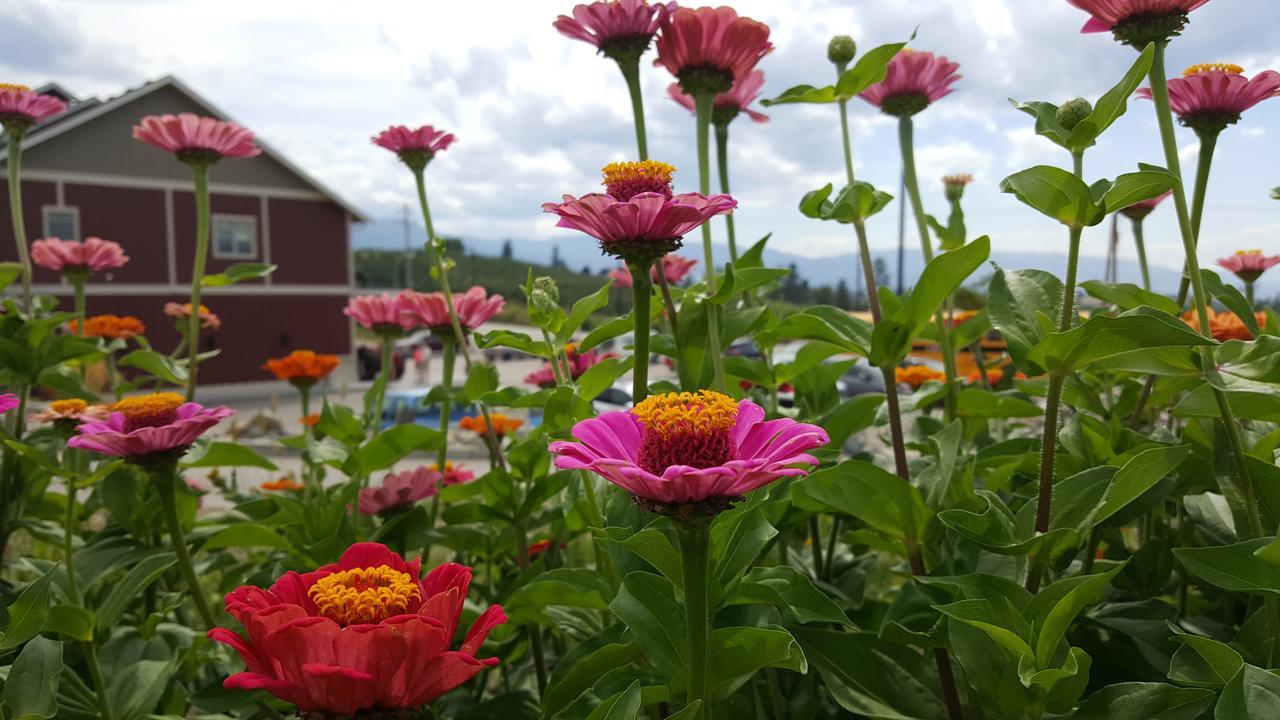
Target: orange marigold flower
302,367
109,327
284,483
311,420
208,320
1224,326
917,375
502,425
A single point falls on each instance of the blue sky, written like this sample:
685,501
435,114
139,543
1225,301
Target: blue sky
538,114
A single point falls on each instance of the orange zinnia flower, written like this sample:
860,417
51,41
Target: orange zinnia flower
283,483
208,321
302,367
110,327
311,420
502,425
917,375
1224,326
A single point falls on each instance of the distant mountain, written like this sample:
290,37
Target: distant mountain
829,270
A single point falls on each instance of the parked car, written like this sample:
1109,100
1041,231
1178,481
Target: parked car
369,362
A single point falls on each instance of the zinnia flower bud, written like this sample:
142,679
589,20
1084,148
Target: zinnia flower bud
841,50
953,186
1073,111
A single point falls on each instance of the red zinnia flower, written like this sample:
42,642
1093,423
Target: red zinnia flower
728,104
1107,14
196,139
399,491
912,81
364,633
709,49
1211,97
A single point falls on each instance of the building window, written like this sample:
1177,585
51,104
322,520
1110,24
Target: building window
235,236
61,222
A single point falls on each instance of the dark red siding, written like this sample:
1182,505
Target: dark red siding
35,194
184,223
308,242
133,217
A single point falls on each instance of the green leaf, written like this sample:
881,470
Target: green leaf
1203,662
1111,105
128,588
1133,187
583,309
737,537
248,534
892,337
978,403
1101,337
803,94
1144,701
867,71
32,685
879,498
73,621
513,340
225,454
1013,300
27,613
584,664
1139,475
159,366
651,545
482,379
1128,296
1233,567
647,604
566,587
830,325
979,615
606,331
784,586
737,653
602,376
1056,606
137,688
389,446
1253,694
9,272
1247,366
623,706
858,201
238,272
871,677
1055,193
1046,115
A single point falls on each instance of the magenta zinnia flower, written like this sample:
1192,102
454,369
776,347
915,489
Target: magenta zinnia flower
1108,14
1143,208
474,308
913,80
678,448
400,491
366,635
577,363
645,227
21,107
1248,265
8,401
675,266
728,104
146,425
71,257
1211,97
383,313
195,139
619,29
709,49
415,147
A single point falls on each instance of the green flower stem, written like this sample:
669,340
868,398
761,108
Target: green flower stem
15,211
906,140
77,285
665,288
68,538
722,164
631,73
1160,95
703,103
815,541
99,684
531,629
201,175
695,549
1142,254
1204,163
890,377
1248,292
449,356
848,144
164,478
553,359
642,291
384,378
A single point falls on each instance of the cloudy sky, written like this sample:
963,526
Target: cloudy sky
537,114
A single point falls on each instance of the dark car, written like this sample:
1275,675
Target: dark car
860,379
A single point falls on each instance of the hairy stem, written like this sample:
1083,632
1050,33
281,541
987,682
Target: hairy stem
201,175
722,164
642,292
15,211
703,103
164,478
695,543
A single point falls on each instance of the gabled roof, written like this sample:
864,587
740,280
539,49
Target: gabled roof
80,112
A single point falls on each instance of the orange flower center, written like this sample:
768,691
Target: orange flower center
693,429
1248,252
1202,68
149,410
14,86
68,407
364,595
625,180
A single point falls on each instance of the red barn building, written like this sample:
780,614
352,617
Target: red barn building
84,175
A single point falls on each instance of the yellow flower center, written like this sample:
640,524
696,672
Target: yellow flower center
149,410
68,407
364,595
1202,68
625,180
692,429
14,86
1248,252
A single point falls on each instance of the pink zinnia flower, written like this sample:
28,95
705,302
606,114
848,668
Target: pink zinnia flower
415,147
383,313
912,81
709,49
1248,265
1143,208
71,410
20,106
1211,97
144,425
645,227
400,491
8,401
728,104
366,634
474,308
200,140
578,363
675,266
182,312
1107,14
677,448
620,29
453,475
69,256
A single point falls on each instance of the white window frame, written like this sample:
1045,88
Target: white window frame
253,236
45,210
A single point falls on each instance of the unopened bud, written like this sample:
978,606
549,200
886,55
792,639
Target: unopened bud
1073,111
841,50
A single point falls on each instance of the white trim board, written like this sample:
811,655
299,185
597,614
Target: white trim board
153,289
